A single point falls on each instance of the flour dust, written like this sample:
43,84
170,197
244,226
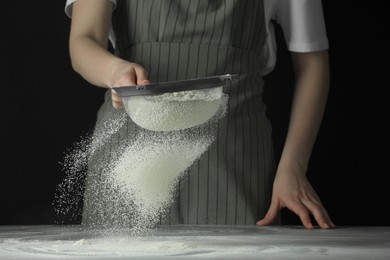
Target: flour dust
125,177
70,191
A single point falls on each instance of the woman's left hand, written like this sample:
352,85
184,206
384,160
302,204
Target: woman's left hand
292,190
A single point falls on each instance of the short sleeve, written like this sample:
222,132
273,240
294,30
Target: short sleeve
303,24
68,11
69,5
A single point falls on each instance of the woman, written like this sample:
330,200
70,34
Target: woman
157,41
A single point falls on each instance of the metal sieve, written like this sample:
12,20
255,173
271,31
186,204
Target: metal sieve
174,86
149,108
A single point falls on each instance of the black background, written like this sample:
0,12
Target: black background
46,107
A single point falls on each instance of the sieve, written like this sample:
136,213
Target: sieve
175,86
161,106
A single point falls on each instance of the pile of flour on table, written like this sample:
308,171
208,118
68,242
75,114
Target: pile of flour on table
139,174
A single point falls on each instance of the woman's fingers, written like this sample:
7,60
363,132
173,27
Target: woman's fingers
127,74
117,101
303,207
271,215
319,213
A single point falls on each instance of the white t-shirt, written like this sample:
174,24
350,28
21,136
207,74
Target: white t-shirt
302,22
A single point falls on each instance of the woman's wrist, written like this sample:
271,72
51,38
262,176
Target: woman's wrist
293,164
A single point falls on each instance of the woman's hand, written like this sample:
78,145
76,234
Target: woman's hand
125,73
292,190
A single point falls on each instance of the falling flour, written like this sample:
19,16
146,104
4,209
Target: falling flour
70,191
133,172
148,171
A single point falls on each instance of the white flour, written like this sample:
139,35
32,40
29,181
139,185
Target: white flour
131,248
147,173
150,170
135,174
103,246
70,191
211,94
174,111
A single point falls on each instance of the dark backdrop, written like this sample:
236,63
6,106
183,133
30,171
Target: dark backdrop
46,107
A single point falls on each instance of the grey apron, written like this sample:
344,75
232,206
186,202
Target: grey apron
180,39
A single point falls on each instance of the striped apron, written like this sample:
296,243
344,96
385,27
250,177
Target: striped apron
231,183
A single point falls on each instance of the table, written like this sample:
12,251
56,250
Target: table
195,242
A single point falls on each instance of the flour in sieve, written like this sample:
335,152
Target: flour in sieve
210,94
175,111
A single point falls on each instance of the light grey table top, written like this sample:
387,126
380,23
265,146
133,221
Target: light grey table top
196,242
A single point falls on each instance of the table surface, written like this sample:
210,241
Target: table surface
195,242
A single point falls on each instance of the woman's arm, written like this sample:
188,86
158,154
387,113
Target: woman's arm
291,187
309,100
88,43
